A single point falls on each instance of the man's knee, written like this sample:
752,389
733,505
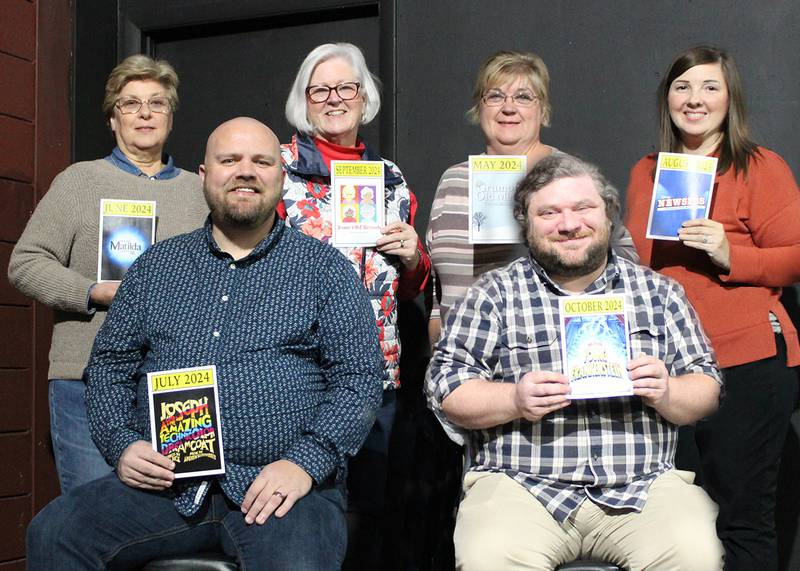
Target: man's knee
494,550
690,550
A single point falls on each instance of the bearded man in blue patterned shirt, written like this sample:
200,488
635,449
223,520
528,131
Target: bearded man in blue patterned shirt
552,479
299,374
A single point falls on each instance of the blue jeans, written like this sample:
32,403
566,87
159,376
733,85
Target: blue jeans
78,460
107,524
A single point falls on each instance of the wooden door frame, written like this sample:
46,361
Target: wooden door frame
142,23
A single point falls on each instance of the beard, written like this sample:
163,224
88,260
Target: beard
556,264
238,212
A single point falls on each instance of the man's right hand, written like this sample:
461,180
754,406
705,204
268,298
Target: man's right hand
541,392
102,293
142,467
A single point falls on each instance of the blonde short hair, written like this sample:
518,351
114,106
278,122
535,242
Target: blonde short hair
140,67
506,66
297,105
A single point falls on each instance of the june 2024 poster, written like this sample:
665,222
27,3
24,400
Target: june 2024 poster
492,182
185,421
358,202
127,229
681,192
594,345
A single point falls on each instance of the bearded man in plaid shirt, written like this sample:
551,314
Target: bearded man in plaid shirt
552,479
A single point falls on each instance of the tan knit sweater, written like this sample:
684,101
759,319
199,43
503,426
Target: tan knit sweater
55,260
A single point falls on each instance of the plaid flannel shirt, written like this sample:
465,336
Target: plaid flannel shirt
608,450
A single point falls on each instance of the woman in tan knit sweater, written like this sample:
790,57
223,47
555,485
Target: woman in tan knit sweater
55,260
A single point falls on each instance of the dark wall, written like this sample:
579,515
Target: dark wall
605,61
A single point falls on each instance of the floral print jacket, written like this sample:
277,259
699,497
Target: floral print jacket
307,206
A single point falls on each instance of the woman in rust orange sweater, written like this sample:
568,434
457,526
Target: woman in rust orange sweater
733,266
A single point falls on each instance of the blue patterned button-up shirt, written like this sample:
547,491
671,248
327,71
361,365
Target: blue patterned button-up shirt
608,450
290,330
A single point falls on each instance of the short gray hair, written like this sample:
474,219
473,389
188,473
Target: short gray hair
139,67
297,104
556,167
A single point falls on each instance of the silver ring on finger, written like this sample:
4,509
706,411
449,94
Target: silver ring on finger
705,239
281,495
402,243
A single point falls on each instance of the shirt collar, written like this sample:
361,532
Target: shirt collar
600,285
261,250
309,161
122,162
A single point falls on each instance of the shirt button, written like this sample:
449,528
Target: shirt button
224,298
215,334
595,457
232,266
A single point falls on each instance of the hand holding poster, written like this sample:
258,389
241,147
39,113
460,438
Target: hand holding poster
358,202
492,182
681,192
127,228
594,345
184,420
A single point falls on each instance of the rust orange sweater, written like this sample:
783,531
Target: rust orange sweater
761,217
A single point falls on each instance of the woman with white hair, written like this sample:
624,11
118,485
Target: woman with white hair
333,94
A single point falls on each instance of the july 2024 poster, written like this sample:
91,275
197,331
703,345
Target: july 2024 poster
185,421
594,345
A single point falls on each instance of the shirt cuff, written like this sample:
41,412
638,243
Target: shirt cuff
313,458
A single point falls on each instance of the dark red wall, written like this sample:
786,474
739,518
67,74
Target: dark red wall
35,48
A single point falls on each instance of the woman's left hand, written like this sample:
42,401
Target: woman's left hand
707,235
400,239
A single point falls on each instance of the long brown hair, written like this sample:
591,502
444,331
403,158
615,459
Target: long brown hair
736,147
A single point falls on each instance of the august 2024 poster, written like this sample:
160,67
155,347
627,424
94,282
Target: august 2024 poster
681,191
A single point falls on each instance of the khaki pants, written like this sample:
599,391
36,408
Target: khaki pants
500,526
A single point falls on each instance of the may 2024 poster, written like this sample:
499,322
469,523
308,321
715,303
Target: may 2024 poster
492,182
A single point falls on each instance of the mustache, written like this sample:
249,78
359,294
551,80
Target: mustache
572,236
258,188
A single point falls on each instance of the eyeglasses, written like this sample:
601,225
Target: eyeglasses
496,98
131,105
321,93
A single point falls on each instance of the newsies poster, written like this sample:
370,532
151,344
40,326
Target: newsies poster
184,420
681,191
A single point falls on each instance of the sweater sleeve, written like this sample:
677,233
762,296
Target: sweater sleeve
352,362
433,293
412,282
39,262
770,209
111,375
